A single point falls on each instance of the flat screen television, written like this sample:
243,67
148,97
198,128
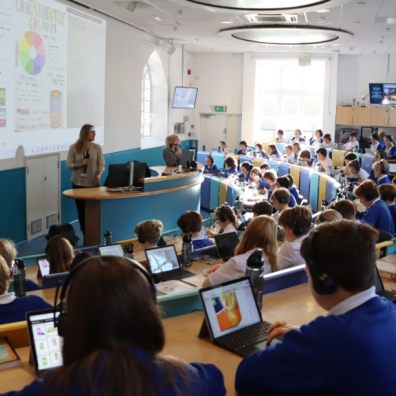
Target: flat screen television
184,97
383,93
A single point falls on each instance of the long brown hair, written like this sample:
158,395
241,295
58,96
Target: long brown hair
111,316
60,254
261,233
82,144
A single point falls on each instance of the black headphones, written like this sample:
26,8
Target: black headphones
62,290
322,282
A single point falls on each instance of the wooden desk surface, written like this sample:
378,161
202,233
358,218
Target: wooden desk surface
296,305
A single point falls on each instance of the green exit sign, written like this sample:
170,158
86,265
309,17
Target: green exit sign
220,109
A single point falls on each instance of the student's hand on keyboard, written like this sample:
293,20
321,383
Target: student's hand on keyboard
279,329
213,268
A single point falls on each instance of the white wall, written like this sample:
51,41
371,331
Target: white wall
356,72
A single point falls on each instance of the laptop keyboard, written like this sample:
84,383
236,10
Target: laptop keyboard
245,339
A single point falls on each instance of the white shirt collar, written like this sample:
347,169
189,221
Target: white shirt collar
382,177
229,228
7,298
372,203
353,302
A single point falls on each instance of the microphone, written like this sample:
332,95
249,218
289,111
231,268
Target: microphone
86,156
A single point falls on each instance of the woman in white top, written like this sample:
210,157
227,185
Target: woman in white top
225,218
296,223
86,160
260,233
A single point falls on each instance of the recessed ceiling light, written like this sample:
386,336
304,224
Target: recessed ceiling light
226,22
264,5
157,18
322,11
285,34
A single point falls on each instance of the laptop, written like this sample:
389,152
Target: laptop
233,319
45,343
43,266
380,289
92,250
226,244
164,265
111,250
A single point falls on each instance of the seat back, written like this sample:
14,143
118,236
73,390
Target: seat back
304,182
295,171
367,162
338,157
283,169
314,191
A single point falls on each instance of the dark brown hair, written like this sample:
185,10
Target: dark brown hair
346,208
225,213
150,231
269,175
262,208
298,219
368,190
284,181
349,260
190,222
230,162
282,195
60,254
387,192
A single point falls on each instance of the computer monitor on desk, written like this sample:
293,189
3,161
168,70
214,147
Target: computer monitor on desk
126,176
187,158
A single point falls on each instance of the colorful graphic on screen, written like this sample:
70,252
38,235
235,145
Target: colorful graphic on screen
32,53
227,310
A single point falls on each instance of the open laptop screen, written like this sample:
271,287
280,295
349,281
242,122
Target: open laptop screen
230,307
226,244
111,250
162,259
45,342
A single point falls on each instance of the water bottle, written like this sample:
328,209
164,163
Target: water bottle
187,248
203,147
107,237
19,275
255,271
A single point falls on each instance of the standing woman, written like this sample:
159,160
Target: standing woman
85,159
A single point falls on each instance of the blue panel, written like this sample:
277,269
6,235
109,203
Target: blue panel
13,205
201,156
218,159
232,193
314,191
245,158
283,170
367,162
304,182
273,165
331,191
160,185
121,215
283,282
280,147
205,193
214,192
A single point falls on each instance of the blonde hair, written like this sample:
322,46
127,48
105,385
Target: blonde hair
8,251
171,139
150,231
82,144
60,254
261,233
5,275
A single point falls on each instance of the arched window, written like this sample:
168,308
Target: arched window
146,115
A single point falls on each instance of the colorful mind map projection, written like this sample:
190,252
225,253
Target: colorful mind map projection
32,52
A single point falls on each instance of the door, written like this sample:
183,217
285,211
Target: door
42,194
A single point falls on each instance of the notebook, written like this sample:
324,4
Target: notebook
45,343
164,265
226,244
380,289
44,266
111,250
232,317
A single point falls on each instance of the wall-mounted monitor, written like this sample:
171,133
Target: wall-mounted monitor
184,97
383,93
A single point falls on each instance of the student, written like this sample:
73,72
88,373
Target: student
381,170
285,182
305,159
149,234
374,143
388,195
263,169
229,167
349,351
246,167
243,148
9,253
259,152
294,190
347,158
172,153
191,223
296,151
325,163
12,308
356,172
223,147
270,178
280,201
381,139
297,138
390,148
262,208
327,143
352,144
328,215
111,349
280,136
377,213
210,166
256,180
225,218
273,152
296,223
260,233
60,254
289,156
317,139
346,208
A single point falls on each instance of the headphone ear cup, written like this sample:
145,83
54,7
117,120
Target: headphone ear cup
324,283
59,323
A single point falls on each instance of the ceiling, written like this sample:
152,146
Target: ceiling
372,23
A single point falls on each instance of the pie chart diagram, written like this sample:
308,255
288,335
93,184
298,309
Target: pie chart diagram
32,53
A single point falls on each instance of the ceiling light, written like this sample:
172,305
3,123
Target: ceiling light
157,18
322,11
285,34
265,5
226,22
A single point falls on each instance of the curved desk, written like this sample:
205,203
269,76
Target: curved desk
164,198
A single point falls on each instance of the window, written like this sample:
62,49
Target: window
288,96
146,115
